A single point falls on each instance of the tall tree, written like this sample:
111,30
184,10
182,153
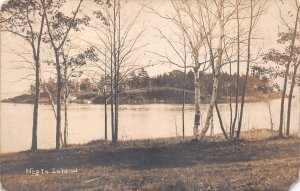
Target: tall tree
188,20
217,67
71,66
25,19
289,109
287,68
58,28
256,10
116,45
238,41
122,48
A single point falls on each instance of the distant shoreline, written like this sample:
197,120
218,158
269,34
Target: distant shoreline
82,101
143,96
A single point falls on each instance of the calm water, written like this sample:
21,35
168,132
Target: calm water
86,122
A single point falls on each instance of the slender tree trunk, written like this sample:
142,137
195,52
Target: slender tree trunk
58,102
220,121
247,71
112,96
216,72
50,100
230,100
270,113
112,104
66,95
280,134
105,113
105,99
36,54
115,68
290,100
237,73
36,106
117,71
113,77
66,123
116,111
212,125
116,106
183,100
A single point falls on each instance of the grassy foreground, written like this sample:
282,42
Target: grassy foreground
257,162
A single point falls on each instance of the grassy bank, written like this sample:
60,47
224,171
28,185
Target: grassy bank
257,162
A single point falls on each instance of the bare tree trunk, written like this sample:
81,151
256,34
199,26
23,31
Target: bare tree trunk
112,103
290,100
247,70
50,100
231,113
270,113
220,121
212,125
66,123
216,72
183,100
105,113
112,95
58,102
283,124
36,55
237,73
117,72
116,111
66,119
66,96
36,106
280,133
116,64
230,99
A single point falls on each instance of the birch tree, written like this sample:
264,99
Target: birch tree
188,20
221,24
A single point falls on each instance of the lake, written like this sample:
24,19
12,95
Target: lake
86,122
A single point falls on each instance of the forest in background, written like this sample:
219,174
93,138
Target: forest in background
140,88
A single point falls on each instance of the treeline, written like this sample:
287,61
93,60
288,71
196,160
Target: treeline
86,88
175,79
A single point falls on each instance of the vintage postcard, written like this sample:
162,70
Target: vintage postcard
149,95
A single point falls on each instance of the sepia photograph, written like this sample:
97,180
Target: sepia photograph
150,95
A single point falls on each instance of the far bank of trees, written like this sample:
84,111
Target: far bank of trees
140,80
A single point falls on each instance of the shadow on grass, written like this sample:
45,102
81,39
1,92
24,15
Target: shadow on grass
175,155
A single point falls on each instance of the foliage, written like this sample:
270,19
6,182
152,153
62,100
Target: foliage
275,60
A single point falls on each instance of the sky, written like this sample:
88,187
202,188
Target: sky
12,83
